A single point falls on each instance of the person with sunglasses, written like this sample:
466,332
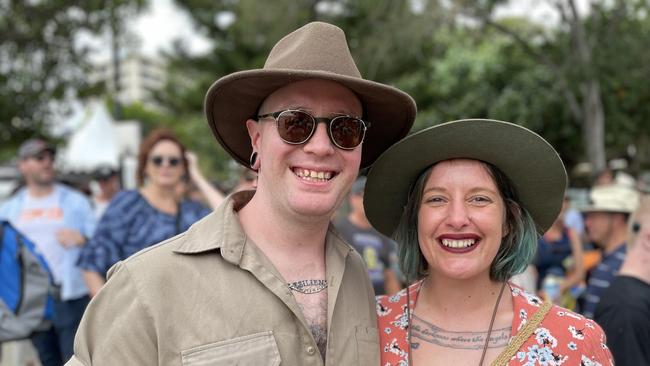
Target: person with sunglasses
136,219
105,185
265,279
58,219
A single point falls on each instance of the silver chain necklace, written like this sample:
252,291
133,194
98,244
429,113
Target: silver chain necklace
308,286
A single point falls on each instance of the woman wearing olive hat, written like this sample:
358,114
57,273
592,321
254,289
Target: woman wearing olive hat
466,201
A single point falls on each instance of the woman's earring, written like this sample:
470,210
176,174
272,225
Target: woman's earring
253,160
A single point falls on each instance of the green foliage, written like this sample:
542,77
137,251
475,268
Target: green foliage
454,64
41,63
449,61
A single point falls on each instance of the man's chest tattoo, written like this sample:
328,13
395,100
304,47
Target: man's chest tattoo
423,331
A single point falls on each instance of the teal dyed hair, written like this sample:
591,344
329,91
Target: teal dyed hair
517,248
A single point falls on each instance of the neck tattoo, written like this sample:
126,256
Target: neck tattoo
308,286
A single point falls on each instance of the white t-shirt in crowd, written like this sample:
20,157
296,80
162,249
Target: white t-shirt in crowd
39,220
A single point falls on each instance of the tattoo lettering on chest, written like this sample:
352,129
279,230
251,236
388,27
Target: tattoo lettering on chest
429,333
314,309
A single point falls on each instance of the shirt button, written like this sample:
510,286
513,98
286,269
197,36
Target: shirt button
311,350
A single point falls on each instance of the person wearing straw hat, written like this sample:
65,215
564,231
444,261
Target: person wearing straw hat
264,280
624,310
606,226
466,201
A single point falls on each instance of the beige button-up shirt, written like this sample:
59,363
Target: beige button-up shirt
209,296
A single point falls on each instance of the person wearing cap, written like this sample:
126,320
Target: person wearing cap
108,184
606,226
377,250
265,279
58,219
624,308
466,207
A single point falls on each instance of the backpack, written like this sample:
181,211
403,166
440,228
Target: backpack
26,305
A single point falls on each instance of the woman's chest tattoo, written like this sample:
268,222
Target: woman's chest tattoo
423,331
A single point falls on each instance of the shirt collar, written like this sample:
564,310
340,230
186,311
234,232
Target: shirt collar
221,230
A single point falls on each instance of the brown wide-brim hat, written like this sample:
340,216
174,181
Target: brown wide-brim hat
315,51
531,163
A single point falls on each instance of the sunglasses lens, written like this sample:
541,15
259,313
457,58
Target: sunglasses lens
295,127
157,160
347,132
174,161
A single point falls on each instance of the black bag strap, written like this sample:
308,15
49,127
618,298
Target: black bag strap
178,219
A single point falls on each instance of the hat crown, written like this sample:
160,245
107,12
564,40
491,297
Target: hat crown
613,198
316,46
32,147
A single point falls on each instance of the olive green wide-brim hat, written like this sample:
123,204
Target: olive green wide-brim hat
315,51
530,162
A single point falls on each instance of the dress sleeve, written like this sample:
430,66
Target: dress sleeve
104,248
596,345
117,328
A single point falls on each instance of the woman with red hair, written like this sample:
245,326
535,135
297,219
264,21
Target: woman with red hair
136,219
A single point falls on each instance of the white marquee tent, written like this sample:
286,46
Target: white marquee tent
98,140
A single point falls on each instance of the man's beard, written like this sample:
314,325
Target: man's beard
43,180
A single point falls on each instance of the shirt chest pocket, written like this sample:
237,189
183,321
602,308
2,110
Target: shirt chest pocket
257,349
367,345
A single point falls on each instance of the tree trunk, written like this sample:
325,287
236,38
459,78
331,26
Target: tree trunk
594,125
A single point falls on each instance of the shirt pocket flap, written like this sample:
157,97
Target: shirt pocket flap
253,349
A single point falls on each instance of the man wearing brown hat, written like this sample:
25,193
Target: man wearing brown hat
58,220
264,280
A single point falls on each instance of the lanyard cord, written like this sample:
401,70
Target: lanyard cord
494,315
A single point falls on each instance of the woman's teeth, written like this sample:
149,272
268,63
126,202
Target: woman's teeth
450,243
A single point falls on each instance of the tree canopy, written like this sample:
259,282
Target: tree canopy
580,82
42,62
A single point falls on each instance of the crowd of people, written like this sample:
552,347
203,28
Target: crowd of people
475,254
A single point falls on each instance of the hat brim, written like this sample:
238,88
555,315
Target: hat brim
235,98
593,209
34,152
530,162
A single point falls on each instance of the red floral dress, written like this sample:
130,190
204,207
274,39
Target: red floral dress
563,338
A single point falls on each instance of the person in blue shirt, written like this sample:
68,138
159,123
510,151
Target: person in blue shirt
58,219
606,225
136,219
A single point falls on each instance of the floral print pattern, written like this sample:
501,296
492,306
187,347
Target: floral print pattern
563,338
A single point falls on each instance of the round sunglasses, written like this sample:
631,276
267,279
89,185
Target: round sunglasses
159,160
297,127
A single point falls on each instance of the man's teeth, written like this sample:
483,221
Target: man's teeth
458,243
312,175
